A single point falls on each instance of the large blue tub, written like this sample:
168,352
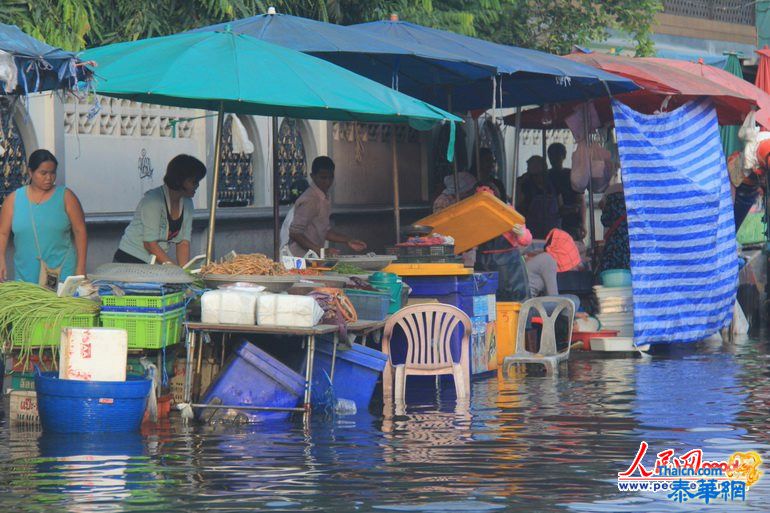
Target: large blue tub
73,406
251,377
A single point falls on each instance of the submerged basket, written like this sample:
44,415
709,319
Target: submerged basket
73,406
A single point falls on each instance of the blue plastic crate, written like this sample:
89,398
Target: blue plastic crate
251,377
478,284
73,406
355,373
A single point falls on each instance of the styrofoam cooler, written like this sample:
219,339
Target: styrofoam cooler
251,377
355,373
93,354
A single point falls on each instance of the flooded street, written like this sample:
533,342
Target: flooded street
526,444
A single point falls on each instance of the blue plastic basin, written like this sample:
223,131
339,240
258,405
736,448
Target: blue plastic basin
72,406
616,278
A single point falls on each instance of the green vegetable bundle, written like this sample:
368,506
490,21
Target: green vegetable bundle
23,305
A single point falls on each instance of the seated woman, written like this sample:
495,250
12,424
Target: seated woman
164,217
502,255
560,255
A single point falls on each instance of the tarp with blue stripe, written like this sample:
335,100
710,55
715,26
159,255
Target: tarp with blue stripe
684,264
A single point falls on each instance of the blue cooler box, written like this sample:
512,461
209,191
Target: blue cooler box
355,374
252,377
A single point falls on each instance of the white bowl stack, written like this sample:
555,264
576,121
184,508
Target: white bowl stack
616,309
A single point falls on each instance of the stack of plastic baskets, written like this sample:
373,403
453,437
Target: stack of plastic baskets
152,322
72,406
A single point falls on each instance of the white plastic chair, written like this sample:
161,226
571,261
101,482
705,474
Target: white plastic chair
428,329
547,354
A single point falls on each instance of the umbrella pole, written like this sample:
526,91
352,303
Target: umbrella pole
516,137
545,148
454,160
215,185
396,198
591,220
276,192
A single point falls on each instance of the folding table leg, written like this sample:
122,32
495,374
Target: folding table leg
309,371
188,374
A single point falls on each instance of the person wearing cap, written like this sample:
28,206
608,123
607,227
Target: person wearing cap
537,198
467,185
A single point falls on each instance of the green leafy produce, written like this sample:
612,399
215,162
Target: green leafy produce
346,268
23,305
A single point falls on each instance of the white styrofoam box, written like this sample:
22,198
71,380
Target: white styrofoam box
211,301
93,354
23,407
230,306
288,310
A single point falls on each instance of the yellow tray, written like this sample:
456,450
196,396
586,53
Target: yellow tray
473,221
428,269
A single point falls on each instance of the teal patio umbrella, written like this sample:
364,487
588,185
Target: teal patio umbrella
730,141
234,73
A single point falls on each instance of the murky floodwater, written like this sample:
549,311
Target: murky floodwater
526,444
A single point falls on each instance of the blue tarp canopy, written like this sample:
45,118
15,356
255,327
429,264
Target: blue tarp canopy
433,65
40,67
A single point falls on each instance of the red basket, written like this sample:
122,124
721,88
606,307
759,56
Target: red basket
586,336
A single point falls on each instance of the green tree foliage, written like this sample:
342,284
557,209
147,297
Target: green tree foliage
552,25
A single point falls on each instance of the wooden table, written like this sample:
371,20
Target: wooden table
195,331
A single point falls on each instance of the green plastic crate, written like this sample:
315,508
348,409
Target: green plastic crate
46,332
147,331
157,302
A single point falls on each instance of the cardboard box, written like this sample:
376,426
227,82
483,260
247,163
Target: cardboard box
23,407
93,354
18,381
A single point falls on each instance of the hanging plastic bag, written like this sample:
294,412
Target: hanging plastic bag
594,164
9,73
750,135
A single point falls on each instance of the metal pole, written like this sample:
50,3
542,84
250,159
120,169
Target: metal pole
545,148
516,138
215,185
454,161
396,197
276,193
591,223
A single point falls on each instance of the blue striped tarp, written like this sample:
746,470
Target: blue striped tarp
684,264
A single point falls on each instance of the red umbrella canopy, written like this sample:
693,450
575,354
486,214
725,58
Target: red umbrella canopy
728,80
659,79
763,70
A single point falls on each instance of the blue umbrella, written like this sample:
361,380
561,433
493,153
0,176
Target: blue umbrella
522,76
38,66
433,65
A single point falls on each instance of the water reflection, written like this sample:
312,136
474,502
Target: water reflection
521,443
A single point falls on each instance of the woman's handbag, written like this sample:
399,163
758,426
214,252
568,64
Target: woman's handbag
49,276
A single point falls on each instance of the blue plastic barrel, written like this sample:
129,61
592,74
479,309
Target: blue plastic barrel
73,406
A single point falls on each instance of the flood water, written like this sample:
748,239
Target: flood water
526,443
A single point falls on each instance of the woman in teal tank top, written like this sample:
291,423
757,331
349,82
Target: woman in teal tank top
46,221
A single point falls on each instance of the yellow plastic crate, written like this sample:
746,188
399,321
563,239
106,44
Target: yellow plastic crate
428,269
473,221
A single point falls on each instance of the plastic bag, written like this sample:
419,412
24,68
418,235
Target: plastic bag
740,324
594,164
